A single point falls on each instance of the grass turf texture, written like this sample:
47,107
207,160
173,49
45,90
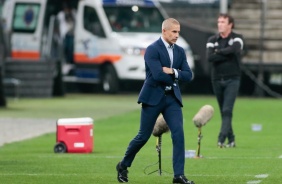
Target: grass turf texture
117,122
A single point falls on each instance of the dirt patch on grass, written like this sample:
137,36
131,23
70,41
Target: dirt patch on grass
17,129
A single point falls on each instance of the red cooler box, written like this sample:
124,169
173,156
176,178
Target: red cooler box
74,135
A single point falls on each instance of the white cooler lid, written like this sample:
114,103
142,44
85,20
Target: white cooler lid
75,121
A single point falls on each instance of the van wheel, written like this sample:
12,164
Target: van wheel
110,82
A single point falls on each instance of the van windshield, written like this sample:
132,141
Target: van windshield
134,19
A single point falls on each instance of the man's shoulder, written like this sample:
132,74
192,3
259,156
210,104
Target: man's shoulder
234,34
155,44
153,47
213,38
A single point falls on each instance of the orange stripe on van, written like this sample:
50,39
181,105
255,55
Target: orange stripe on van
25,55
83,58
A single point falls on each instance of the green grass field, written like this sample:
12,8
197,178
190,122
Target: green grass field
256,159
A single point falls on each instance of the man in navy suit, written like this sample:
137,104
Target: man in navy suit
165,64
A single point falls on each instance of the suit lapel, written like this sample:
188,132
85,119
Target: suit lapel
164,50
174,56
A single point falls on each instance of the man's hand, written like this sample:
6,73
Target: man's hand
168,70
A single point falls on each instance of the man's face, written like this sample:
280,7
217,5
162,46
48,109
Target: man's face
223,25
171,35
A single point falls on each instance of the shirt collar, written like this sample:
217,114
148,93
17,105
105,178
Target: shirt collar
219,37
166,44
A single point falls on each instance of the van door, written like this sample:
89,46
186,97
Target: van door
26,29
88,33
94,43
94,52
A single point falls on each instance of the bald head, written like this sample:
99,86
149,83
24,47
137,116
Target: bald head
167,23
170,30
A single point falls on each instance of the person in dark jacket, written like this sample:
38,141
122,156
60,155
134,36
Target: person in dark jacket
224,53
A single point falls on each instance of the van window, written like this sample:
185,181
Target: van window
134,18
91,22
25,17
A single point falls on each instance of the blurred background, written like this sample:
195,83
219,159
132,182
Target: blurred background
36,26
257,20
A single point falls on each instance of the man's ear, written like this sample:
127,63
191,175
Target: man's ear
232,25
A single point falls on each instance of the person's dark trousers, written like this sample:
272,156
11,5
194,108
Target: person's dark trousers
69,48
172,113
226,91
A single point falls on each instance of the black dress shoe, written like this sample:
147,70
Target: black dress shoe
121,174
182,179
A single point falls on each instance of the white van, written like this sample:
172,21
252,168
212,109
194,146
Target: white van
110,37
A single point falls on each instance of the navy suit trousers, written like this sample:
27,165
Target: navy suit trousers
172,113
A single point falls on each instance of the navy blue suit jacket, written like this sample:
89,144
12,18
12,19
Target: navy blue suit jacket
156,57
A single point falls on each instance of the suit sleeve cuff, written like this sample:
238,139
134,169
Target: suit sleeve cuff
175,73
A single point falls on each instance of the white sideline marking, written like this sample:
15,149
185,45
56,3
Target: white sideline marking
280,156
261,176
254,158
218,175
164,157
254,182
257,181
39,174
74,174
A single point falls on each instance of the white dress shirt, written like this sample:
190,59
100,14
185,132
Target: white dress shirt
169,49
